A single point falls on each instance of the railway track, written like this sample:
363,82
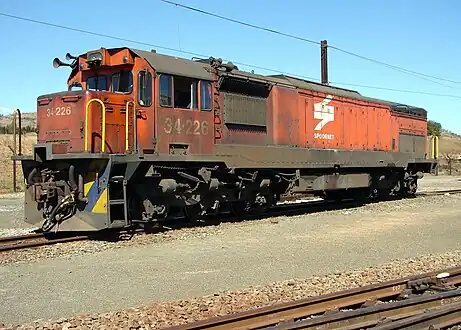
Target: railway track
295,208
289,209
438,192
11,243
416,302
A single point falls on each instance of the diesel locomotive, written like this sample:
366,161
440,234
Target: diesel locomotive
139,137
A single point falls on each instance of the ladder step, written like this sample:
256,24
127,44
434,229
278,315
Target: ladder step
116,202
118,224
117,178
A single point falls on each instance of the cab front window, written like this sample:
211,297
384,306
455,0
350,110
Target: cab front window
96,83
122,82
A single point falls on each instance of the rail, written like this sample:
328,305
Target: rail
33,240
135,133
103,115
402,300
26,241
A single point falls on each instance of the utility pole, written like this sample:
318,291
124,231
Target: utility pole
324,61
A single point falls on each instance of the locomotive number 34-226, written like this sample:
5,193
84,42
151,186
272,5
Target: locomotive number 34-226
188,127
59,111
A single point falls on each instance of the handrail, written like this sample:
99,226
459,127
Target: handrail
135,135
103,146
434,147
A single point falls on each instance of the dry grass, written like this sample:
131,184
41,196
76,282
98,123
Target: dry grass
28,119
449,145
6,164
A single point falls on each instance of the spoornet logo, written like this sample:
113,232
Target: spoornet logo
326,114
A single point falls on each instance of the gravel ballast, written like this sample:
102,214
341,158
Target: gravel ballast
159,315
12,215
442,182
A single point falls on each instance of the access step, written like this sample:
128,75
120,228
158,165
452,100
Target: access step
116,202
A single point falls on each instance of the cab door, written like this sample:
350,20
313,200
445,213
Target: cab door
185,122
145,104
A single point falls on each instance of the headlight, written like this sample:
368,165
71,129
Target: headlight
95,56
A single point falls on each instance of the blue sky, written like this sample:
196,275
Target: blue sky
422,36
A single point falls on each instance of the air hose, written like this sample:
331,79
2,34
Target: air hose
50,220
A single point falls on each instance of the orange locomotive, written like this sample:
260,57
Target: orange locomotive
140,136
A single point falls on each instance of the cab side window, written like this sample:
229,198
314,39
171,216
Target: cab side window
178,92
183,93
166,86
205,95
145,88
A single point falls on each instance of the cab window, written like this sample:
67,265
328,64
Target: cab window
96,83
205,95
185,93
145,88
122,82
182,92
166,86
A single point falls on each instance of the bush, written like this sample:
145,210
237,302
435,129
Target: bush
9,129
434,128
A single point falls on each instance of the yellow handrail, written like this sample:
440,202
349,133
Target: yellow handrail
103,146
134,126
434,147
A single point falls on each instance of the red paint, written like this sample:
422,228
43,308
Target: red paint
184,127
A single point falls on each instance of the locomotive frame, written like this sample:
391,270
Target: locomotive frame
123,156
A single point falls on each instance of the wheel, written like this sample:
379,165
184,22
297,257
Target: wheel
239,208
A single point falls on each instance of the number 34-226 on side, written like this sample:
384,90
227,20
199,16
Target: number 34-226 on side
187,127
59,111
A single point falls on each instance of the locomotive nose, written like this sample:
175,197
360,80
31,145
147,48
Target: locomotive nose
59,116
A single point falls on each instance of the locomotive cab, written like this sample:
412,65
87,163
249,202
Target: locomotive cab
109,106
106,130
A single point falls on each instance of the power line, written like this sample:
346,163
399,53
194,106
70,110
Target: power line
403,70
133,41
241,23
93,33
398,90
412,73
205,56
